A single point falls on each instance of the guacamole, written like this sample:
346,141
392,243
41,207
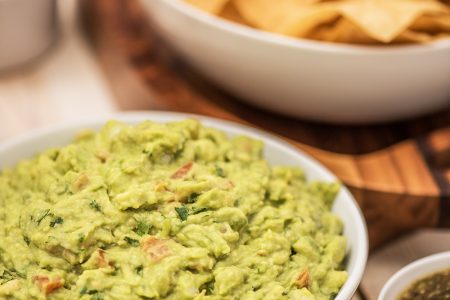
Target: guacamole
166,211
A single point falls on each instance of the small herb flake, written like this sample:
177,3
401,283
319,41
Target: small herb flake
97,297
85,291
95,206
81,238
48,268
293,252
9,275
19,274
26,240
192,198
42,216
198,210
55,221
220,172
142,228
62,189
115,272
131,242
208,287
182,212
139,270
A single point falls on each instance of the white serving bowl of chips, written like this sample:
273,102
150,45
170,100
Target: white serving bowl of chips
308,79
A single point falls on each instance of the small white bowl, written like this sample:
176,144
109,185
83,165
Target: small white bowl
276,152
307,79
413,272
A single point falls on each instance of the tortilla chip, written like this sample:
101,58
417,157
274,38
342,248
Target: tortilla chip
231,13
210,6
410,36
307,20
288,17
343,31
342,21
432,24
266,14
384,20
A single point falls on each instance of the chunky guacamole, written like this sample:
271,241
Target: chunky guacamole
166,211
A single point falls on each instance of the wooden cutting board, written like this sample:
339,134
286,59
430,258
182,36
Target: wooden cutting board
399,172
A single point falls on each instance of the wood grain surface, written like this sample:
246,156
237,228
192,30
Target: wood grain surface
398,172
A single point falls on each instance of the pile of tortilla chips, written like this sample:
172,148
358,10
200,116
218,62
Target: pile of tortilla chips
341,21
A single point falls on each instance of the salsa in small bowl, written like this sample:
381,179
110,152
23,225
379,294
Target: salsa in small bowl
427,278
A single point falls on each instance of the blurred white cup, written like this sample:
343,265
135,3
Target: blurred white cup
27,29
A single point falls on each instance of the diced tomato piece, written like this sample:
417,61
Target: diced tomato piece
303,279
155,249
40,280
81,182
102,155
182,171
53,286
46,285
102,261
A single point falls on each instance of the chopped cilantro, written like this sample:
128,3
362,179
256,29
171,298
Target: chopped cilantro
62,189
182,212
42,216
131,242
26,240
198,210
9,275
115,272
208,287
94,205
48,268
56,220
142,228
139,270
85,291
293,252
81,238
220,172
192,198
97,296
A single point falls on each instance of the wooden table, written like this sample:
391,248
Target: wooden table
68,84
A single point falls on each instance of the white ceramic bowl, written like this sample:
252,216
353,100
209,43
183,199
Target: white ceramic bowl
276,152
413,272
307,79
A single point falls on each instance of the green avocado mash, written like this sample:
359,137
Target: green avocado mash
166,211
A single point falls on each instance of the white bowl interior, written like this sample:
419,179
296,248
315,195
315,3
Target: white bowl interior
412,272
276,152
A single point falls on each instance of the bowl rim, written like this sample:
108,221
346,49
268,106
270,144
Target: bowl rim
360,259
413,267
300,43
